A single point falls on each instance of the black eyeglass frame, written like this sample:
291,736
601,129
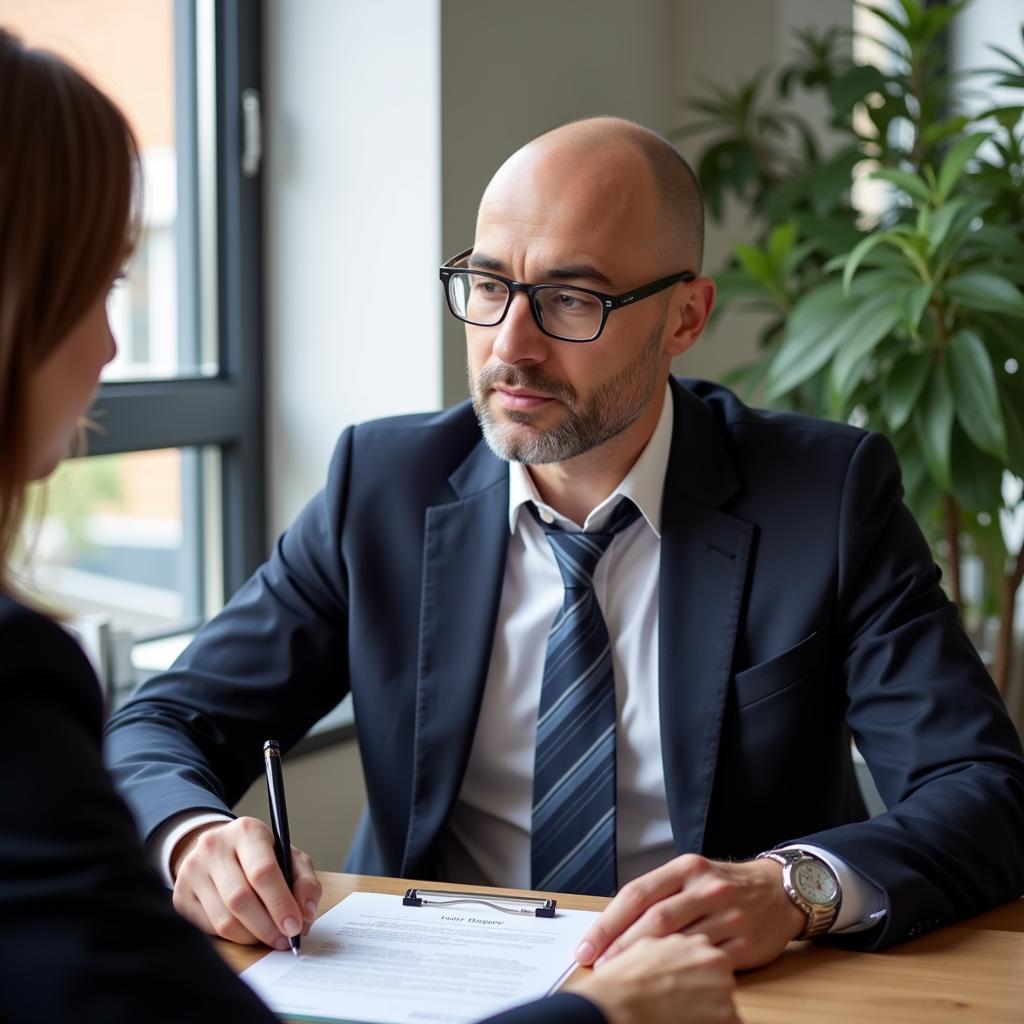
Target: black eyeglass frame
608,302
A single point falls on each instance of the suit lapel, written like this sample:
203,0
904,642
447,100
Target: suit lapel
464,550
704,561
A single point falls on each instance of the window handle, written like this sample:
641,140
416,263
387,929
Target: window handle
252,133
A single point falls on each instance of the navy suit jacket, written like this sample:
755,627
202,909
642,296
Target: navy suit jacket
799,605
87,930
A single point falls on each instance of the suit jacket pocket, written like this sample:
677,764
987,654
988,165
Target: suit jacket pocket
778,673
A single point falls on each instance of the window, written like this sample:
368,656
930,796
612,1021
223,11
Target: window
134,536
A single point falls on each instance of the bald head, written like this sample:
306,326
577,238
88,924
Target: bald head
618,163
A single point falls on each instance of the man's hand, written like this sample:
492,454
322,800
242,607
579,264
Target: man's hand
665,980
741,908
227,882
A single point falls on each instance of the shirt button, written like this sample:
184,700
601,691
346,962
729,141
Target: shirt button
545,515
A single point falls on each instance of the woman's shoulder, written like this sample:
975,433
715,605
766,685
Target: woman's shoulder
39,653
14,614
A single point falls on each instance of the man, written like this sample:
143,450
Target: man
659,699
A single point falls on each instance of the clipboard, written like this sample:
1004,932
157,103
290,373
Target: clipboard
533,906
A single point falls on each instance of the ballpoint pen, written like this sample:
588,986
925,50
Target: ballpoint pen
279,819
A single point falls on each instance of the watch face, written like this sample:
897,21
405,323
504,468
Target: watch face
815,883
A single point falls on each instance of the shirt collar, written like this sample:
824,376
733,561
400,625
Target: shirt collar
644,484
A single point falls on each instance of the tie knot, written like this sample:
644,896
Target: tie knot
577,554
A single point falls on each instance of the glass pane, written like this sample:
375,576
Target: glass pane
114,542
144,55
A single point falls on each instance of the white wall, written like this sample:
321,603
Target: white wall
352,213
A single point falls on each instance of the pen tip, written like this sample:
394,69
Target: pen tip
295,952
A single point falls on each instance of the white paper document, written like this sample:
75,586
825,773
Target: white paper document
371,959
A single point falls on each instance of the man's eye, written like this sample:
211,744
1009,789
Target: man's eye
574,302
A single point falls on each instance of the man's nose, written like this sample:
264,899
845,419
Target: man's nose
519,338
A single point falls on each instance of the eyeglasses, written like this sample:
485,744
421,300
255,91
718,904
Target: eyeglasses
566,313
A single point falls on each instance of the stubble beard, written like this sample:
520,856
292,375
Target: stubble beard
615,404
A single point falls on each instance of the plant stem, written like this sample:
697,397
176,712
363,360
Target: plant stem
1004,642
951,520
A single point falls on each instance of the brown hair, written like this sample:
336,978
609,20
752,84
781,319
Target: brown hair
69,189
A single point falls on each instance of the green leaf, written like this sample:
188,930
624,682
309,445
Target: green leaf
874,321
834,236
784,200
974,393
860,250
1011,57
979,289
830,181
869,284
942,221
940,129
796,256
912,9
921,492
933,19
756,263
780,242
1000,240
913,246
720,166
933,424
884,262
812,335
840,390
955,162
903,387
962,233
915,304
1014,420
736,286
913,184
977,477
902,237
853,86
1007,117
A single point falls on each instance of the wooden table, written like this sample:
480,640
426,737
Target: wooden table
969,973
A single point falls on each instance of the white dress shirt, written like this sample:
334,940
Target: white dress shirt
487,838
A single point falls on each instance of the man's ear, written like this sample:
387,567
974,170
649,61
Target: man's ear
688,314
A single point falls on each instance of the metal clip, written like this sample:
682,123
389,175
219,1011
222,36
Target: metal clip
534,906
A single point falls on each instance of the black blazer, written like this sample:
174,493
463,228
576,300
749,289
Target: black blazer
87,930
799,605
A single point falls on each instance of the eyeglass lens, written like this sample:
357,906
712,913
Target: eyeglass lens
567,312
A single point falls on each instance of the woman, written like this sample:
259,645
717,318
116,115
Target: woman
87,931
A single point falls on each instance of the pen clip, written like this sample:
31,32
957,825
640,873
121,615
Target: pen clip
532,906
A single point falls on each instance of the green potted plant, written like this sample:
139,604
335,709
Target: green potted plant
911,321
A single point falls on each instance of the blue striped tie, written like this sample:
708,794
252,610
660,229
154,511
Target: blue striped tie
572,845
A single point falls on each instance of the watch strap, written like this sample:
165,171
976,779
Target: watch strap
819,918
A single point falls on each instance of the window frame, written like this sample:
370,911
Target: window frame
227,410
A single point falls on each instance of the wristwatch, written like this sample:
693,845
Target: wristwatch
812,885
